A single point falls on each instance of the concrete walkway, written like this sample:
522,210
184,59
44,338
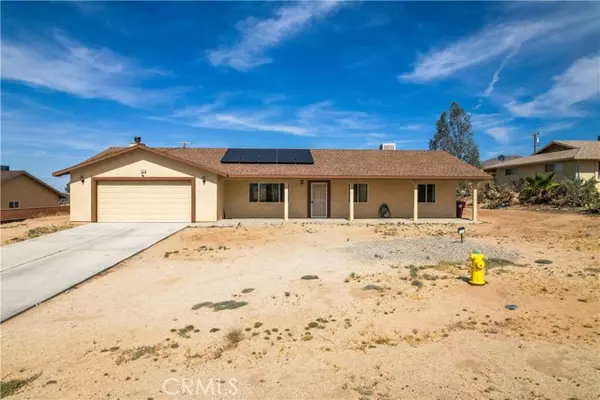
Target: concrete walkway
225,223
38,269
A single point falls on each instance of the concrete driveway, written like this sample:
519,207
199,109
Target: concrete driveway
38,269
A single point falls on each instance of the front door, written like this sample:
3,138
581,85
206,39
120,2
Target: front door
318,200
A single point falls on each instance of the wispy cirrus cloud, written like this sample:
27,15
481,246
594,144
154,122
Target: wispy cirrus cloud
483,46
556,127
67,66
495,125
579,83
257,36
324,118
317,119
502,134
503,42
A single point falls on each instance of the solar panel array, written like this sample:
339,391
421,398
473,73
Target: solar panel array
267,156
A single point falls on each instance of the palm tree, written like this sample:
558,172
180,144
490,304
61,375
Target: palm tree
538,188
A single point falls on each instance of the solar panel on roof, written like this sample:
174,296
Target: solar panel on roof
303,157
285,156
232,156
267,156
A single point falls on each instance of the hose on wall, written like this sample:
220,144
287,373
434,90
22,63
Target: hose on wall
384,211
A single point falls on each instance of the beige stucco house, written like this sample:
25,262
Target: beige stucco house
21,190
141,183
568,159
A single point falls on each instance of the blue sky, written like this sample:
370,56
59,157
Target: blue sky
80,77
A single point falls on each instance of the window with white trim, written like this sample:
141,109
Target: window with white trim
14,204
361,193
427,193
266,192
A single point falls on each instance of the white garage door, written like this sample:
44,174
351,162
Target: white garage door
144,201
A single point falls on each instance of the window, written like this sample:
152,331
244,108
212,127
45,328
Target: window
577,172
266,192
510,171
549,167
361,193
14,204
427,193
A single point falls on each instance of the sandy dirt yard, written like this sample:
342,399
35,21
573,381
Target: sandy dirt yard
17,231
389,316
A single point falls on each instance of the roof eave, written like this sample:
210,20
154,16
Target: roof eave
25,173
132,148
558,142
387,177
529,163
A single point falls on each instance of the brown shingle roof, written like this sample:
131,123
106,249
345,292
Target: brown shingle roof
8,175
327,163
586,149
493,161
579,150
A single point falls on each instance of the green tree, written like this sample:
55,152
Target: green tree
67,188
538,188
454,134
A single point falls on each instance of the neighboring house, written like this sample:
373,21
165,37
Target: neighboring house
487,164
568,159
21,190
140,183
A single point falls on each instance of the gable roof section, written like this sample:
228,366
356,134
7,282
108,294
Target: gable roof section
383,164
588,149
577,150
6,176
493,161
115,151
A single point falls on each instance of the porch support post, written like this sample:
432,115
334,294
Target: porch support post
415,201
474,215
351,203
286,200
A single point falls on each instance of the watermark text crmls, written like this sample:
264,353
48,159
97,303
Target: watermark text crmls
201,386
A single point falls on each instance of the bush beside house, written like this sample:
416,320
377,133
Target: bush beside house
541,189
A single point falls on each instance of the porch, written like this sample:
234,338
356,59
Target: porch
342,200
235,222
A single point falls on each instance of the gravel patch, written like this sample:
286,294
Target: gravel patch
427,250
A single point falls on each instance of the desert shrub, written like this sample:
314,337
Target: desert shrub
594,206
495,196
538,189
576,193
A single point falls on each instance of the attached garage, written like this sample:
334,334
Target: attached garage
144,200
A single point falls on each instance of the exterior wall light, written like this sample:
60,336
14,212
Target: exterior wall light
204,180
302,181
82,179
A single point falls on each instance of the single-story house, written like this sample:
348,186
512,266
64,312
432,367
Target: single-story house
20,189
568,159
497,160
142,183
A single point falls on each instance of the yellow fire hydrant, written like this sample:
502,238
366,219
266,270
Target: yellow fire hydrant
477,268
